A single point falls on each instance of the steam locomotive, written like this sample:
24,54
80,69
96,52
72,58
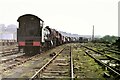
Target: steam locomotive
32,38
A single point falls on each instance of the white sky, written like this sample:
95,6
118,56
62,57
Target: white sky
74,16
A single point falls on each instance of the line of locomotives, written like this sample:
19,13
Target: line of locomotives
33,39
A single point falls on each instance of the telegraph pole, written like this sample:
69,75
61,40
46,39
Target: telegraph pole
93,33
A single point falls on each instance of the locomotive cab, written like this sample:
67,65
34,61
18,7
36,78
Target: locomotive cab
29,33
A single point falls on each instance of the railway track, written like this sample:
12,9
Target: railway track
11,63
106,49
13,58
10,55
10,58
60,66
111,50
32,64
9,52
108,52
105,61
108,56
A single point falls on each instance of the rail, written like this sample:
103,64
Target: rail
97,60
71,65
9,52
114,51
37,74
103,63
103,54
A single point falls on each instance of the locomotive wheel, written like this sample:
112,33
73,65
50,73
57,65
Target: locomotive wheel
21,49
30,50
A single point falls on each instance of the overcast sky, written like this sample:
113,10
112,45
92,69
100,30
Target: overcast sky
74,16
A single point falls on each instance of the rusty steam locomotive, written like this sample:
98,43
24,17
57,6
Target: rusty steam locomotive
31,33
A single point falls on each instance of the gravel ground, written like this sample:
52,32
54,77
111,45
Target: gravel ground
27,69
3,48
84,66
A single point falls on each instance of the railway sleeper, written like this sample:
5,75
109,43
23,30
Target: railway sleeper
11,66
57,69
63,72
60,61
54,78
55,74
62,64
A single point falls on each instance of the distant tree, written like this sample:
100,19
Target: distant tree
109,39
117,43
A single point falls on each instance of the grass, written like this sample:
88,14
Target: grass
84,66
